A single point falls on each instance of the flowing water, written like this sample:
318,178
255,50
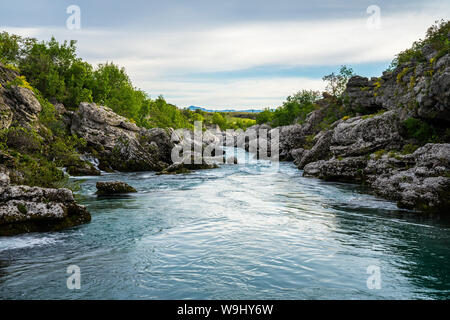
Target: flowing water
237,232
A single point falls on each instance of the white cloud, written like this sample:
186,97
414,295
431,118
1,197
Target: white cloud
151,57
245,93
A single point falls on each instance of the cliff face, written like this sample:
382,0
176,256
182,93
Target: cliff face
412,89
399,146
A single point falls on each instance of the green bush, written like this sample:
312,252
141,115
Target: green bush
409,148
55,71
264,116
23,140
294,109
436,37
419,130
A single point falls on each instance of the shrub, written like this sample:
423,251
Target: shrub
436,37
409,148
294,109
264,116
23,140
419,130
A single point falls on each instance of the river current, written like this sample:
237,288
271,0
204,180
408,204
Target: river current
245,231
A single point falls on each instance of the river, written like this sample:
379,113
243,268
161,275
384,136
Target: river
242,231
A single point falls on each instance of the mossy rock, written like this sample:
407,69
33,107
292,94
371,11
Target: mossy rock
113,187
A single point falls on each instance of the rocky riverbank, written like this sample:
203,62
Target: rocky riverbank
32,209
394,140
390,133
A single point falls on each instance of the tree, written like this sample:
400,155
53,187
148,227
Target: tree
9,48
264,116
219,120
112,87
338,82
295,108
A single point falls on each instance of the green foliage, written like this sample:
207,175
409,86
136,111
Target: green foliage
333,113
39,152
436,37
159,113
419,130
294,109
113,88
264,116
9,48
55,71
336,83
409,148
219,120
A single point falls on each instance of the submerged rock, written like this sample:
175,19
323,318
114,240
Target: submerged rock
186,166
113,187
26,209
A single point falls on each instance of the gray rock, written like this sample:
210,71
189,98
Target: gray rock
113,187
26,209
297,155
345,170
120,144
320,150
419,181
359,95
363,135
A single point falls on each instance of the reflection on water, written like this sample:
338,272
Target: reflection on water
237,232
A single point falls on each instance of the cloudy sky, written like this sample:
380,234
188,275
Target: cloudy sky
233,53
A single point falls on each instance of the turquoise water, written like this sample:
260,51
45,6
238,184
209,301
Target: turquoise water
237,232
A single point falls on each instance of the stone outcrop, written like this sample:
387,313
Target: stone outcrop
369,147
412,89
26,209
17,104
419,181
118,143
113,187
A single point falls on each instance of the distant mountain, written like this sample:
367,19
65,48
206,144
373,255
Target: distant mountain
193,108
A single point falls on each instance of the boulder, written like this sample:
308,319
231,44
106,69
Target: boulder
342,170
188,163
119,143
363,135
26,209
113,187
320,150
